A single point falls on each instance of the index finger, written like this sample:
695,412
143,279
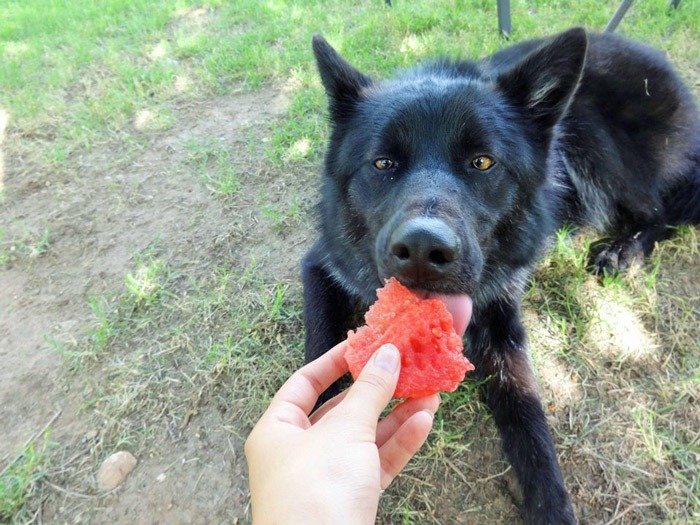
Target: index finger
304,387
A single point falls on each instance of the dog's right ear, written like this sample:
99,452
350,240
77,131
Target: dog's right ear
342,81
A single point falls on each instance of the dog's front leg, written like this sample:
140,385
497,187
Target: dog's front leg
328,310
499,351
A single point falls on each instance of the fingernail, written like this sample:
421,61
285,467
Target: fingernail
429,412
388,358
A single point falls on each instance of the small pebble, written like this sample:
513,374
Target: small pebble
114,470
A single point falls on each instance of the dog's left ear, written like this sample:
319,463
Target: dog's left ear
343,82
544,82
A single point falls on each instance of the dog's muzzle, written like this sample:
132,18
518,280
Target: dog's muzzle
423,249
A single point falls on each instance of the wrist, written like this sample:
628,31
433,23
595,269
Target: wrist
311,506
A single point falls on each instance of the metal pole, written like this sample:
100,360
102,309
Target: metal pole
504,17
619,14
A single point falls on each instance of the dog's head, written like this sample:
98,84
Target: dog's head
440,176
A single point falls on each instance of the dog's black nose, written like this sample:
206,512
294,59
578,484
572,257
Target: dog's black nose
423,249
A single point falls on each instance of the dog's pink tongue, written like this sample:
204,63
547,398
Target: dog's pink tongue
460,306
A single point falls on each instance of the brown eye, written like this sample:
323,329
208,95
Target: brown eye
482,162
383,164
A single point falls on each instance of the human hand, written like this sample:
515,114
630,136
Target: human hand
330,466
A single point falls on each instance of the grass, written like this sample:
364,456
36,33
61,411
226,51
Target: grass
23,242
592,333
182,325
617,358
213,164
20,478
74,72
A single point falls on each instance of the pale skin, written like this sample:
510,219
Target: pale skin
331,466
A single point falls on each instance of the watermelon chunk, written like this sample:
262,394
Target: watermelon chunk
422,330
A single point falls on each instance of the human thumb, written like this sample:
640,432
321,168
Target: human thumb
375,385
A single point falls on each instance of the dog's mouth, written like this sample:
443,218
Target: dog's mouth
426,254
459,305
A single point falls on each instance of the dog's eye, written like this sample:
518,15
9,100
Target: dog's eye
383,164
482,162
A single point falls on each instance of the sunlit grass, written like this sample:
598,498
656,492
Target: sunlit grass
75,70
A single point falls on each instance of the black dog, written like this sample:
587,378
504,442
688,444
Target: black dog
451,177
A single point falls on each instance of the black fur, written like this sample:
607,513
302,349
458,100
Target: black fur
587,128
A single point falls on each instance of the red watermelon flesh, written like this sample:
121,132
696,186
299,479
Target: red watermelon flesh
422,330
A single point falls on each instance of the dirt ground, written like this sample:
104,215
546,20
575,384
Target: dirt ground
106,207
103,207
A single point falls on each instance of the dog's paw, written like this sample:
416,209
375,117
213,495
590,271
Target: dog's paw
565,517
618,256
548,504
555,514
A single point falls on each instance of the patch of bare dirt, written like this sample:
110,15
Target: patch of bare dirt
108,205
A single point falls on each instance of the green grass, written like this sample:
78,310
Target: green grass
253,319
70,72
19,479
82,76
23,242
213,164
